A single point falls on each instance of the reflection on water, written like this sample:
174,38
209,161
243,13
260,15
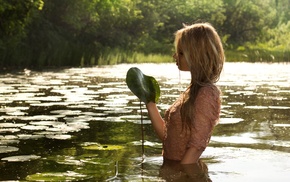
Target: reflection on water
173,171
84,124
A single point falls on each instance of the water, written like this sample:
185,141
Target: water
83,124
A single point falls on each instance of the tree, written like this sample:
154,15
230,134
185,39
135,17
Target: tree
79,32
15,17
245,20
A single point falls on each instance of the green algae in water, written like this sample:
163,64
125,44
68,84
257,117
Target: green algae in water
57,176
97,146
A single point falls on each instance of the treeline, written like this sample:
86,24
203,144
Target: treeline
51,33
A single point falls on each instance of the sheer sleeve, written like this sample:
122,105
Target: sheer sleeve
207,110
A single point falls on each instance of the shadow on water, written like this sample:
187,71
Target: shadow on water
84,124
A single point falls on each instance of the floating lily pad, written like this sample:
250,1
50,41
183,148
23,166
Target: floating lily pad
67,160
57,176
230,120
29,136
279,107
40,117
8,137
79,125
256,107
33,127
16,113
236,103
146,88
9,130
21,158
148,143
59,137
45,123
7,149
66,112
97,146
11,125
9,142
65,128
282,125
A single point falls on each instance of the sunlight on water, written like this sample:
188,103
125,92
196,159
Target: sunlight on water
47,118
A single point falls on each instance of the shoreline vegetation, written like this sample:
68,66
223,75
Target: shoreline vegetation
119,57
43,34
255,55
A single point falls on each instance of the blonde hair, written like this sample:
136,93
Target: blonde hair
202,49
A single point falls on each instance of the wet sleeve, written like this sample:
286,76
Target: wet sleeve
207,111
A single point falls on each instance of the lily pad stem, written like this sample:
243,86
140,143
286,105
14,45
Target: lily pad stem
142,131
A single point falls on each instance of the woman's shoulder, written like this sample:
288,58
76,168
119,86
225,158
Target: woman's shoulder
210,89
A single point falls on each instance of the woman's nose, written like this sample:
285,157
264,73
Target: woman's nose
174,56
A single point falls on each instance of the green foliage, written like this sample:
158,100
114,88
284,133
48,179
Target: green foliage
15,16
280,42
246,20
44,33
117,56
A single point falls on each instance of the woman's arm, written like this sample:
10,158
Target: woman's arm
156,119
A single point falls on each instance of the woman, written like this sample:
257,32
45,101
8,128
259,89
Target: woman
188,124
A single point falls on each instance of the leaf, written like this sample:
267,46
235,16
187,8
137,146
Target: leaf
146,88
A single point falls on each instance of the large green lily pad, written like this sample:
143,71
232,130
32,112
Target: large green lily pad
145,87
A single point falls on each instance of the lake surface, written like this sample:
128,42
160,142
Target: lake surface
83,124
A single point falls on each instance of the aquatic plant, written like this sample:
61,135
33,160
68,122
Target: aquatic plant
145,87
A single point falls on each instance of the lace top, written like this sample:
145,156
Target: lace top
206,115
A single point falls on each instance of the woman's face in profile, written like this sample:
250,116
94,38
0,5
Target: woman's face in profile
180,61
